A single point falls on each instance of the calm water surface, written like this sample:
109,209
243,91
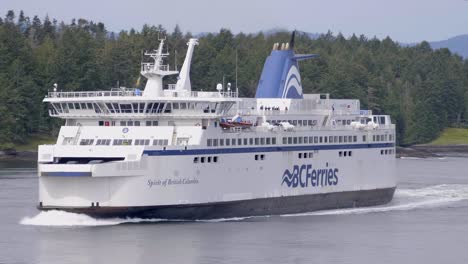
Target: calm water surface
427,222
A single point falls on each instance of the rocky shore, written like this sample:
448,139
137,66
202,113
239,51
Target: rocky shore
13,154
427,151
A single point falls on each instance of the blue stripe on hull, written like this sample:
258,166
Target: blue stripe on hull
262,149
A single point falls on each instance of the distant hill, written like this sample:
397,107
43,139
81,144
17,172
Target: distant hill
457,44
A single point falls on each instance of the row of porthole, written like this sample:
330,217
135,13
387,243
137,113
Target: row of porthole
345,153
209,159
386,151
305,155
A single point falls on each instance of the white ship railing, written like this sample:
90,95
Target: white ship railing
147,67
113,93
197,94
279,129
137,92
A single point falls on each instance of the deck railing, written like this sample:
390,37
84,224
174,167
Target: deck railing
137,92
119,92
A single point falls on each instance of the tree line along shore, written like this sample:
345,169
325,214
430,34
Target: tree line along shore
424,90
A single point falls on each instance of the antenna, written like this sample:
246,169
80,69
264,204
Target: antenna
223,82
291,43
236,68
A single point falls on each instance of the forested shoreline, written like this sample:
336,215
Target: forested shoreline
424,90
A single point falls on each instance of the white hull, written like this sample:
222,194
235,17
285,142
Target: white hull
176,180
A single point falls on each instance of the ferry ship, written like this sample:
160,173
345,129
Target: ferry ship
172,153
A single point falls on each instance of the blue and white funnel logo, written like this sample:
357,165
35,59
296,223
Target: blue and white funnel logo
305,176
293,87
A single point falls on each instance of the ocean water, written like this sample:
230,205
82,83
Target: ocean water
427,222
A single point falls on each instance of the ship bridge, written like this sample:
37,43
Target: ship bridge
126,102
176,101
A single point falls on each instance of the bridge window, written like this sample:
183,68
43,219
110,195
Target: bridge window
142,142
126,108
209,142
124,142
160,142
103,142
86,141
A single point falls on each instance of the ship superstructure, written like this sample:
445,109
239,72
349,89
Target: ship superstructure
170,152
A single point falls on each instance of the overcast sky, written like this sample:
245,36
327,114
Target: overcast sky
402,20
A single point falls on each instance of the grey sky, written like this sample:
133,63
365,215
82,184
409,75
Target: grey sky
402,20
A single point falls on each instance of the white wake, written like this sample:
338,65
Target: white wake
408,199
61,218
404,199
